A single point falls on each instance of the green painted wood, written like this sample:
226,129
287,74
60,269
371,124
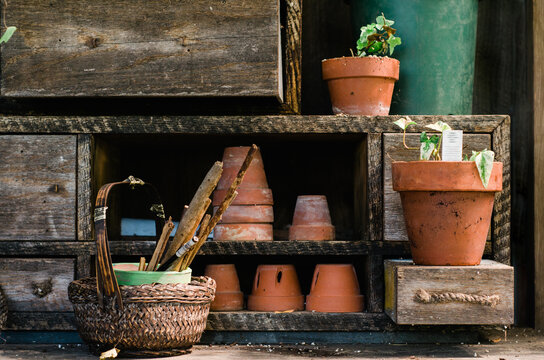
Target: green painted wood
436,55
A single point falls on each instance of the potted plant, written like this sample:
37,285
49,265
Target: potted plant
437,72
363,84
447,205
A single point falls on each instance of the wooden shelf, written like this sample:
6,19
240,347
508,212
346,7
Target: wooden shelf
297,321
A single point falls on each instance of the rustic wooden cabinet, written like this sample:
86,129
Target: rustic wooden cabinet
344,157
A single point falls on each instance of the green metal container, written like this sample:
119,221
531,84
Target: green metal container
134,277
436,55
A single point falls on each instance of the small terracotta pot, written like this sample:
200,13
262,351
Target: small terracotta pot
249,232
227,295
312,220
335,289
233,157
236,214
446,209
276,288
361,85
245,197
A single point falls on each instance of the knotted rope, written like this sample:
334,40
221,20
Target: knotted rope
425,297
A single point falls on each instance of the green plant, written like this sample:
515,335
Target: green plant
378,38
7,34
430,147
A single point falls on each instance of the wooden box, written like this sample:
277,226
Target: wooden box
143,48
449,295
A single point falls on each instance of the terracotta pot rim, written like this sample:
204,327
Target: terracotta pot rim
383,67
443,176
335,296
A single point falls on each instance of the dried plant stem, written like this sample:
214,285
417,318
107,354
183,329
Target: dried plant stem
161,245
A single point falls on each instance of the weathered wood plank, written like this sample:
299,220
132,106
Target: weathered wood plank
293,55
501,210
228,125
375,289
296,321
83,266
143,48
538,138
36,320
36,284
395,228
375,198
84,189
37,187
472,283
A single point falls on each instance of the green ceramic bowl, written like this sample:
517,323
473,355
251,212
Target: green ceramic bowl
128,274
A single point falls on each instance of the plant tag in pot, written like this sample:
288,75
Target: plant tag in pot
452,145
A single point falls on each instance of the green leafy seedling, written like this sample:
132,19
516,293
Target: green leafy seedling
484,164
7,34
378,38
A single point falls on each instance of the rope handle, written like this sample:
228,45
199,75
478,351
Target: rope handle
425,297
106,282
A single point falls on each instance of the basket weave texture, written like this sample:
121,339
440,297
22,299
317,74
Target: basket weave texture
157,319
3,309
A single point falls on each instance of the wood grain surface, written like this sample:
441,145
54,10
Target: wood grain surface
37,187
395,228
143,48
37,284
403,279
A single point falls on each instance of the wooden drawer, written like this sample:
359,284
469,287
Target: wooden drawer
143,48
449,295
37,187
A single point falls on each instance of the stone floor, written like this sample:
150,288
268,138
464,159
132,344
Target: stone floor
522,344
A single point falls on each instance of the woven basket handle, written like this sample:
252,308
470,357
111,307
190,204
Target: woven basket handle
106,282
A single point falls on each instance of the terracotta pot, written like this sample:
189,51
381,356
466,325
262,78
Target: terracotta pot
361,85
233,157
276,288
245,197
227,295
335,289
311,220
446,208
250,232
236,214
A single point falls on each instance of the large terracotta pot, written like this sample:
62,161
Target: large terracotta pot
276,288
361,85
334,289
227,294
446,208
312,220
236,214
233,158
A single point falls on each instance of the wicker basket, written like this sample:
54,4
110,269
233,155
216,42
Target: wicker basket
144,320
3,310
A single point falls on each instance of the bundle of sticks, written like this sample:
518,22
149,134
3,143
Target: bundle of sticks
180,253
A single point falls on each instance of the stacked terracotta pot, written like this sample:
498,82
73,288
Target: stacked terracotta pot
227,295
312,220
250,216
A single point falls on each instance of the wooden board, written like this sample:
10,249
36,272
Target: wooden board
37,284
403,279
37,187
143,48
538,138
395,228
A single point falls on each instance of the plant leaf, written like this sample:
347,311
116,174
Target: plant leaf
7,34
403,123
375,47
484,164
439,126
426,150
435,139
392,42
423,137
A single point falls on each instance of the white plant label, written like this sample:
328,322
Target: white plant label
452,145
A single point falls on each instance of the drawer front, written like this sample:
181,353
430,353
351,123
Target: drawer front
37,187
143,48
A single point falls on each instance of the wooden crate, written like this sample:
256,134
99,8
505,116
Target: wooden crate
178,48
449,295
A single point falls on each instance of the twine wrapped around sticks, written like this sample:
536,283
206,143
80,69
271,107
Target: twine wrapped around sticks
426,297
